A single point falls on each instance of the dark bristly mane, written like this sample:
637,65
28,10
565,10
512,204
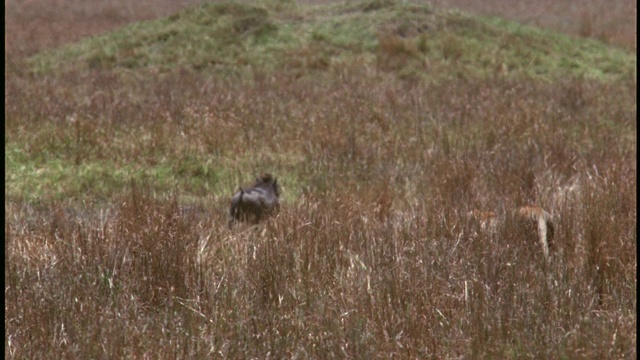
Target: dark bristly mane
257,202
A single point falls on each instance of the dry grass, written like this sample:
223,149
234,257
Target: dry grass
614,22
373,254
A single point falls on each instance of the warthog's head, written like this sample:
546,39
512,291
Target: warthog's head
257,202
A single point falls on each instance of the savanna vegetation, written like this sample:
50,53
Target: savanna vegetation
128,126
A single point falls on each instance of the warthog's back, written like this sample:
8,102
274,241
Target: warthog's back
257,202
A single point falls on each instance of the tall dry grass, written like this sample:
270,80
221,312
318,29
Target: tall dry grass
614,22
337,274
373,254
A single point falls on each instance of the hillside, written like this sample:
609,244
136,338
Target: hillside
236,39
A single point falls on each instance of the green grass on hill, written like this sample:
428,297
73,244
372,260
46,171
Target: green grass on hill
60,175
235,39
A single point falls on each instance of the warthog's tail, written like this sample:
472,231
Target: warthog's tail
235,207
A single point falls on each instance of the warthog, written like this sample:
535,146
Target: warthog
257,202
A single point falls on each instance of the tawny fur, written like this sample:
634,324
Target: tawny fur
487,219
533,218
541,219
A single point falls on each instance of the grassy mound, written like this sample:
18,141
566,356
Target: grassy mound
233,39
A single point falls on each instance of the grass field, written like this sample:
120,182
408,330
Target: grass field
128,128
